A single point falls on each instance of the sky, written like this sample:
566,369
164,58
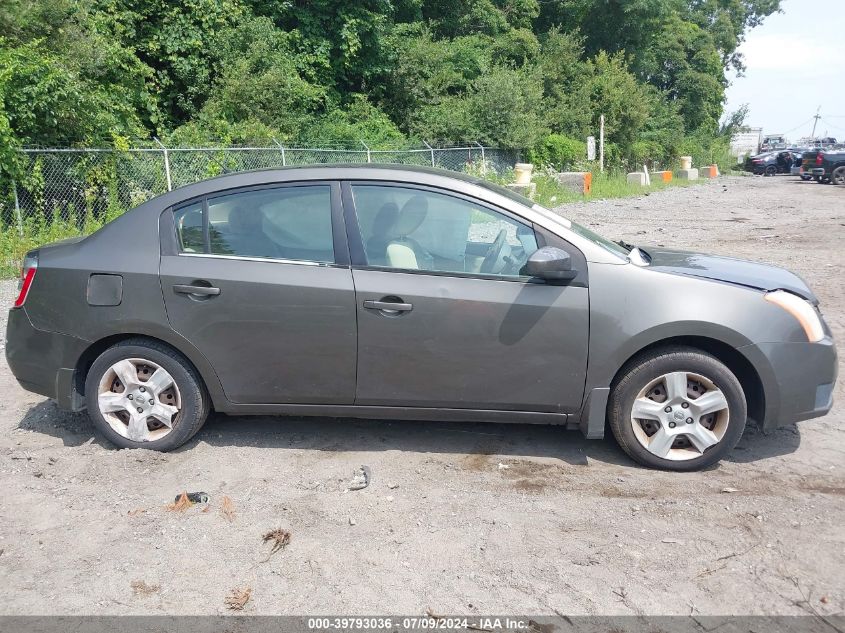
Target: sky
795,63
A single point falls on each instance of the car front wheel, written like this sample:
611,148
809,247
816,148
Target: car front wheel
838,176
677,409
143,394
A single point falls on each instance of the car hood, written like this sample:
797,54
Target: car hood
728,269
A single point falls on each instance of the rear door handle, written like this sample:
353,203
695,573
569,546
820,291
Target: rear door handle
388,307
205,291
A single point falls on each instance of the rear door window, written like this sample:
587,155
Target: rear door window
287,223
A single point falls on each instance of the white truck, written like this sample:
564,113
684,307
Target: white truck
746,142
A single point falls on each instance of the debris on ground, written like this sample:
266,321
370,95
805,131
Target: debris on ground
672,541
279,538
195,497
227,509
185,500
136,512
181,504
392,485
729,490
361,478
352,521
237,598
140,588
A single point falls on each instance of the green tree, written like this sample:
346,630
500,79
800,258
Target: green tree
259,81
615,92
566,87
685,65
177,41
467,17
43,102
359,120
427,72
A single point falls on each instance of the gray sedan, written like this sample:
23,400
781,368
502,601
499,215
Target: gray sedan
410,293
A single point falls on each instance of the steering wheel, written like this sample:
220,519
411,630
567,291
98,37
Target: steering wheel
493,253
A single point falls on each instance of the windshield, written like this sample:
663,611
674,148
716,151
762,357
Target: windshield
583,231
605,243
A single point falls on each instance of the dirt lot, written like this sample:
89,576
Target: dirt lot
458,518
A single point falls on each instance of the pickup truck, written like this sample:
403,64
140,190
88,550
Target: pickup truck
825,165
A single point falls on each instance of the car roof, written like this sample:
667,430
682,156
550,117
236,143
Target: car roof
455,182
344,171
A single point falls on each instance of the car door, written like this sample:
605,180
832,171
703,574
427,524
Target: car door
258,280
445,322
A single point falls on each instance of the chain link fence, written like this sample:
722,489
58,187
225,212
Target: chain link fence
83,184
68,192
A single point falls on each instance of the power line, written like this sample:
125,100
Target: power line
803,123
835,127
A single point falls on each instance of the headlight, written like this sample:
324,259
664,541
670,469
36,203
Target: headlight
801,310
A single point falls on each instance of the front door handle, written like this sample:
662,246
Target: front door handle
204,291
391,308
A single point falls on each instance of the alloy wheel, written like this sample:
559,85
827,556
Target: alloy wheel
680,415
139,399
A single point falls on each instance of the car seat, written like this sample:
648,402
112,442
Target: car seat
381,236
246,236
403,251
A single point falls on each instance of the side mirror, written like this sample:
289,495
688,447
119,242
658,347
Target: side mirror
550,263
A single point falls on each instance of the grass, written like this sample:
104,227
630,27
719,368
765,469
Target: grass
550,193
14,243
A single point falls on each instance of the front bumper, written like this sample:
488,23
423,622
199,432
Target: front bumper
818,171
798,379
44,362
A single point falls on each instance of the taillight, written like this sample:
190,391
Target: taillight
819,158
30,265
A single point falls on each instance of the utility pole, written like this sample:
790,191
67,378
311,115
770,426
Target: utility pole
601,143
815,122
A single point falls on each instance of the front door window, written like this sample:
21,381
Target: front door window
413,229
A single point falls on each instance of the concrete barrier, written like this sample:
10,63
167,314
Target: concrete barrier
665,176
523,172
637,178
578,181
688,174
529,190
711,171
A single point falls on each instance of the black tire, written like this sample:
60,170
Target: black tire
805,177
838,176
817,178
194,397
771,170
641,370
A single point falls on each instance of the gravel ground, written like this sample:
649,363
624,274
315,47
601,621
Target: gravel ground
458,518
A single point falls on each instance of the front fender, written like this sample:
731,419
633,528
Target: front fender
632,308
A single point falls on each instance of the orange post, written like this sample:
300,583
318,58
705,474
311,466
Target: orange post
588,183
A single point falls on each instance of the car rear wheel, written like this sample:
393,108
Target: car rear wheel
142,394
771,170
838,176
677,409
